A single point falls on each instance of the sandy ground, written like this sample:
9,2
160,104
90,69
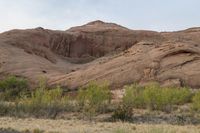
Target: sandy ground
79,126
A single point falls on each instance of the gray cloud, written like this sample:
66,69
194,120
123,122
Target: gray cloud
136,14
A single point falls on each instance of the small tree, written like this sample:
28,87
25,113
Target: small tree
12,88
133,97
45,102
94,98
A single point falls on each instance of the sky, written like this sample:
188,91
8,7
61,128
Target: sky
158,15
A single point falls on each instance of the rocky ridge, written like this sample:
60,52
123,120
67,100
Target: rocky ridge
103,52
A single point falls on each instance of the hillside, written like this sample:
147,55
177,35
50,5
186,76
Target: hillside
103,52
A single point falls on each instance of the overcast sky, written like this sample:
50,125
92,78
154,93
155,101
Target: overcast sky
159,15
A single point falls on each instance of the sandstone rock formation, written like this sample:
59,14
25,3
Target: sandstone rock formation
103,52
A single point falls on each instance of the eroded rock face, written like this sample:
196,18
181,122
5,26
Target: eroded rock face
103,52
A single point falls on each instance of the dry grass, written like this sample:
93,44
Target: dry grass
79,126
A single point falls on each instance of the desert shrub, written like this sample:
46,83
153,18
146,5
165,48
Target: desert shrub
46,97
158,98
12,87
133,96
153,97
180,95
123,112
6,108
94,98
44,102
196,102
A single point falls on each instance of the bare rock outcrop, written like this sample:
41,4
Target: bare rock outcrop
103,52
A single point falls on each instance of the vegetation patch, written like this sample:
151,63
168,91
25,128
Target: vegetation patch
94,98
155,97
17,100
152,97
196,102
12,88
133,98
42,102
158,98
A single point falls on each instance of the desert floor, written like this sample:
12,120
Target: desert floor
80,126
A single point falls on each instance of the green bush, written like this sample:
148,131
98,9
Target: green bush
155,97
6,108
152,97
196,102
12,88
133,96
94,98
158,98
181,95
123,112
44,102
